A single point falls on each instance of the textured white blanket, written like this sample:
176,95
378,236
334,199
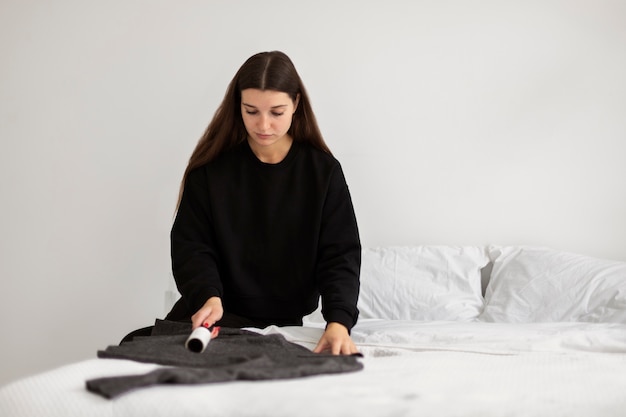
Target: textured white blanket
411,368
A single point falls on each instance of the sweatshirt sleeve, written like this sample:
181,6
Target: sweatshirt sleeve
339,252
194,258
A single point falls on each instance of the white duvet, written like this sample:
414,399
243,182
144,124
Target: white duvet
410,368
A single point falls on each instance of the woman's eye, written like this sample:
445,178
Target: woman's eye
253,112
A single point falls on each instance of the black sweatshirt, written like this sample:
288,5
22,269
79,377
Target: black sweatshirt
268,238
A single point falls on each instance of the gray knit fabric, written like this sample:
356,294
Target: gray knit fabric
234,355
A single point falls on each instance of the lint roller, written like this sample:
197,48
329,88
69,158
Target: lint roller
199,339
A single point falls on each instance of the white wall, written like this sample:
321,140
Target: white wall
457,122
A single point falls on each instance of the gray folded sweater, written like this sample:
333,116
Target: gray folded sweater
235,355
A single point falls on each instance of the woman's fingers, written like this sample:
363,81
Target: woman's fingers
208,314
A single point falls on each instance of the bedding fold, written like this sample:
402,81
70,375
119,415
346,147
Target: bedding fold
235,355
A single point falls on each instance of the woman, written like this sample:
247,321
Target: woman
265,222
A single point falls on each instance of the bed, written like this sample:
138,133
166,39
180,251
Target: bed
444,331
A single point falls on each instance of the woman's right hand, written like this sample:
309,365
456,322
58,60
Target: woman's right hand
209,313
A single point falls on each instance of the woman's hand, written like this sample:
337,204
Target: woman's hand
336,340
209,313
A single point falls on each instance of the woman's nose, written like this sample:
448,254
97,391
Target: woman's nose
264,122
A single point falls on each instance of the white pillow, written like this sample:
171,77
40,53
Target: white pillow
422,282
532,284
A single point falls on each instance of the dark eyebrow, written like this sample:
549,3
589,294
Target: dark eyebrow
254,107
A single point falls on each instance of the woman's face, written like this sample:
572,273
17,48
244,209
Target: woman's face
267,116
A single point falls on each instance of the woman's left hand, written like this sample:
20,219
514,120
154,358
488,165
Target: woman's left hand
336,340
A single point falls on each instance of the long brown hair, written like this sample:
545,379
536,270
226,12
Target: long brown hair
263,71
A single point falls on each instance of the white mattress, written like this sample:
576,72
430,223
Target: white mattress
410,368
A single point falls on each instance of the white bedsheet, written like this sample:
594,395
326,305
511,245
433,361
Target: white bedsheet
411,368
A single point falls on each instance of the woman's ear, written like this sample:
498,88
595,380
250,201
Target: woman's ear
296,102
